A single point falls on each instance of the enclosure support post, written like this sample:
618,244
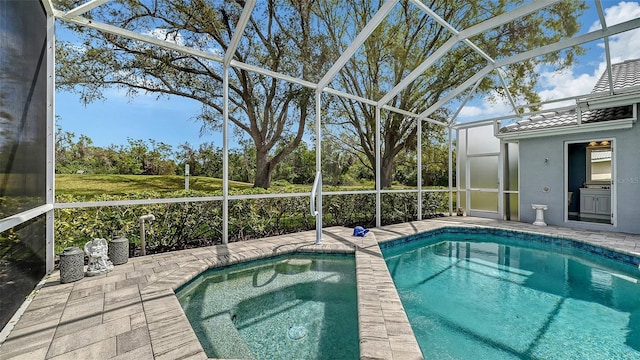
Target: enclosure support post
378,187
225,154
50,167
228,57
451,173
419,145
500,174
318,190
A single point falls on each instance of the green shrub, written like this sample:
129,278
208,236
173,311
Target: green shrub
183,225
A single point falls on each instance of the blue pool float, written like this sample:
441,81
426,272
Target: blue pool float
360,231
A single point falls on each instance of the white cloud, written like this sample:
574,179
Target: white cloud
490,106
623,11
206,41
568,82
163,34
624,46
470,111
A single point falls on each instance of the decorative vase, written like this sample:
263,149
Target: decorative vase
119,250
71,264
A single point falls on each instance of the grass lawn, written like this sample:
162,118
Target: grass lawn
92,185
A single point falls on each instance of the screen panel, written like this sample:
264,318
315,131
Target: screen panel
23,90
23,125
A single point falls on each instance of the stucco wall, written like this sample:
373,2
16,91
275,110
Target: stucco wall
535,175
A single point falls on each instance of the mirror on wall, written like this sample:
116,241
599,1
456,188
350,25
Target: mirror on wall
599,162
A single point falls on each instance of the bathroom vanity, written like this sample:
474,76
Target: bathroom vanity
595,203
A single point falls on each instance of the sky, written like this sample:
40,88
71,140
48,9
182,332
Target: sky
171,120
580,78
113,120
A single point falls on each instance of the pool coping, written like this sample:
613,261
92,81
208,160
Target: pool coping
133,313
564,245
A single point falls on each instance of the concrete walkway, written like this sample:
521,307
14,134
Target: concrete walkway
132,312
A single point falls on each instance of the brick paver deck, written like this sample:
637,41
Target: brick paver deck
132,312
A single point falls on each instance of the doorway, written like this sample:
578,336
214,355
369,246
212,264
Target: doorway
590,181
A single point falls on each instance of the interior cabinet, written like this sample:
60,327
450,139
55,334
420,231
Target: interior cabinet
595,203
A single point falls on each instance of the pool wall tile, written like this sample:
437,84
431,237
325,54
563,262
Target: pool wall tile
519,235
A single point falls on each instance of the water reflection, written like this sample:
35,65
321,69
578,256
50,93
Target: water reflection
517,299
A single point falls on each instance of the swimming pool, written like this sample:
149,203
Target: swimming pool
293,307
514,296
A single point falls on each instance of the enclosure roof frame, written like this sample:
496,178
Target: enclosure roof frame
462,35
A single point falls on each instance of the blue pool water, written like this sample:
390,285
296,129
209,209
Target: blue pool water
295,307
489,297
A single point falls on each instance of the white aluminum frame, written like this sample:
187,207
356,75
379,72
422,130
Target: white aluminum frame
463,35
51,142
500,169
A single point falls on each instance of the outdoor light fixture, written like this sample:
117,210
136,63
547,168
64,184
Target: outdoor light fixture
596,144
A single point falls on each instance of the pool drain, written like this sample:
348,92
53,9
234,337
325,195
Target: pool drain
297,332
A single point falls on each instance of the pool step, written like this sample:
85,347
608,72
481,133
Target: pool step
227,342
293,266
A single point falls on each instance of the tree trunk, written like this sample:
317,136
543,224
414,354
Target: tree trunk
386,174
263,170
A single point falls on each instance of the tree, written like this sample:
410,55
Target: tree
135,158
435,163
71,155
409,37
242,163
278,37
298,167
335,164
204,161
186,155
64,141
159,159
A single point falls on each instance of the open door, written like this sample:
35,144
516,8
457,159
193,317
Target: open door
590,180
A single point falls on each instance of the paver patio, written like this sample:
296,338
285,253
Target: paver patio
132,312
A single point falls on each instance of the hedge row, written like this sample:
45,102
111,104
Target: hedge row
184,225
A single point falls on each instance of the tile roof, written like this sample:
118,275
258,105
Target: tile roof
625,75
601,155
569,117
